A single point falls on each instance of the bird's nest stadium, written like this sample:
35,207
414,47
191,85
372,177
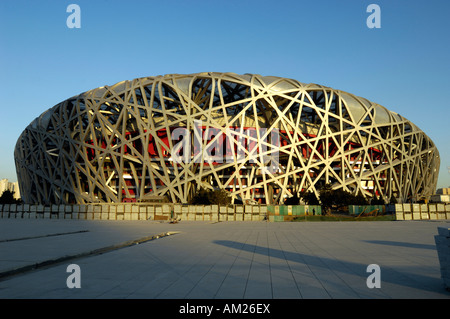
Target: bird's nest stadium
262,138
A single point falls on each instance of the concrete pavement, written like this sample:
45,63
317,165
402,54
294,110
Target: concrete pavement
224,260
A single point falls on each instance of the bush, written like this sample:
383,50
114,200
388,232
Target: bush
211,197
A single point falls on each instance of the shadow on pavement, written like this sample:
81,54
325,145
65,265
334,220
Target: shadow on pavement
404,278
401,244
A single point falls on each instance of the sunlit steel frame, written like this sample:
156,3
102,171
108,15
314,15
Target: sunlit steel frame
114,143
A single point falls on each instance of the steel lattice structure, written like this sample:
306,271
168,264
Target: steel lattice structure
116,143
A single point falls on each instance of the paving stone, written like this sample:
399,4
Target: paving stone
224,260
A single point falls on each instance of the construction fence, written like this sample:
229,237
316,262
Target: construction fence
422,211
213,213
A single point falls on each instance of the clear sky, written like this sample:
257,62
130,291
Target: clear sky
404,65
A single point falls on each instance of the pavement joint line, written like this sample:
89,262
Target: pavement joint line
4,275
43,236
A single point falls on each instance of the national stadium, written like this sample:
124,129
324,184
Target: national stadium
261,138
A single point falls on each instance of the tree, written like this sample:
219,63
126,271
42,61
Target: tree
338,198
359,200
377,200
8,198
330,198
200,197
294,200
309,198
220,197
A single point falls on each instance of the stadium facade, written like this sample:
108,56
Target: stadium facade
262,138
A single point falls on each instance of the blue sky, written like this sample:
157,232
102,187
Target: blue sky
404,65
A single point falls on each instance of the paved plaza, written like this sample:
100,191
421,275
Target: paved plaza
222,260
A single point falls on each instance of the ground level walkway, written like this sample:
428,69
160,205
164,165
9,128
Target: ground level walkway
221,260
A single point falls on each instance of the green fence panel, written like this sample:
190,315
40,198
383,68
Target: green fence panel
358,209
278,218
315,210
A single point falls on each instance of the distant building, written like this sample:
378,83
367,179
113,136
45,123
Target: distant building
442,196
443,191
7,185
